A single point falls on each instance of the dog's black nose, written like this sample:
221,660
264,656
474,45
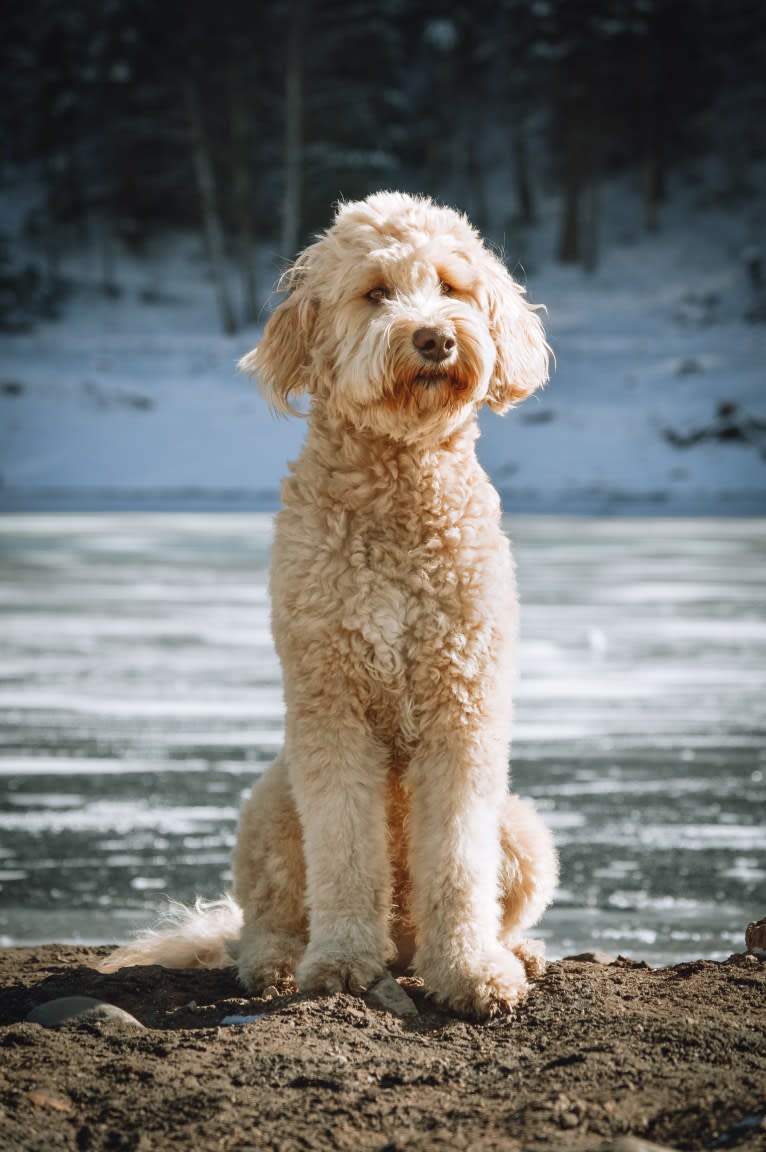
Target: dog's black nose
434,343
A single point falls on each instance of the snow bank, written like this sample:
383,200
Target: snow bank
134,401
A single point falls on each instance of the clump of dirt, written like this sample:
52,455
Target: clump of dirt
675,1055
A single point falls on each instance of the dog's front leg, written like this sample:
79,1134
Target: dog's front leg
457,783
338,776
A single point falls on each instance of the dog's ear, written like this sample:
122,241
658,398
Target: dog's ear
282,360
522,352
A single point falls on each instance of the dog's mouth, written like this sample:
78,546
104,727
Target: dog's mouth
430,381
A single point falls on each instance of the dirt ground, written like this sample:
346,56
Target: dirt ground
676,1056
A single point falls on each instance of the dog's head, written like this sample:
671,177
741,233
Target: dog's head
400,321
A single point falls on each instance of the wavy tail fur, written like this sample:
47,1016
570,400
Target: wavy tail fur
205,936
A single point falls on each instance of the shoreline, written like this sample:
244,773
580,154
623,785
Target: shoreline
609,503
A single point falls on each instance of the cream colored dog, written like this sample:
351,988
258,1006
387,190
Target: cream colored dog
384,833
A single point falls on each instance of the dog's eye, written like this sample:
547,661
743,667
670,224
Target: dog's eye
377,294
445,288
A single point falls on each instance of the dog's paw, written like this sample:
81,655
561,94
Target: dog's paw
532,956
269,959
336,971
491,986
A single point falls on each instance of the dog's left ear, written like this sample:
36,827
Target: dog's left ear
522,352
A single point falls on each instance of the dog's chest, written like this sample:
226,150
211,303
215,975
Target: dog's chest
409,608
385,596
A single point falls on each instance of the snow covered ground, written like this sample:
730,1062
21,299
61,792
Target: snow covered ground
134,400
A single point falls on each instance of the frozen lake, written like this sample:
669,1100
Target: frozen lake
139,698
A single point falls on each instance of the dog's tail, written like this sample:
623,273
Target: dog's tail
205,936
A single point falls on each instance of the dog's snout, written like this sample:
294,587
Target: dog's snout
434,343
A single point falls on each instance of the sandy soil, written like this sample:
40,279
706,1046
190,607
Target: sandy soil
677,1056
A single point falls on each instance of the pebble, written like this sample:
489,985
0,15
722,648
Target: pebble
54,1101
84,1009
230,1021
391,997
629,1144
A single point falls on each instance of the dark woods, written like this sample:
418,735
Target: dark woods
128,118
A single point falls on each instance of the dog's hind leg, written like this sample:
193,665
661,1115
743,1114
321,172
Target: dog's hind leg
270,883
528,876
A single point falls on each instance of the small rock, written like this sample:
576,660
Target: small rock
569,1112
590,958
389,996
86,1009
569,1119
755,935
229,1021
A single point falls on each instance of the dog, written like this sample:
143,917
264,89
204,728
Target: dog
384,835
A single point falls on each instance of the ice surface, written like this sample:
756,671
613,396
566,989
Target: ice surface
125,751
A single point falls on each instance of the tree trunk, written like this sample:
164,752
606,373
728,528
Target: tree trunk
108,251
443,158
51,243
243,193
569,235
591,229
474,191
654,183
213,229
291,220
525,204
654,191
580,150
654,176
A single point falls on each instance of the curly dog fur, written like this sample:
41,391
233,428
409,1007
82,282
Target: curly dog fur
384,834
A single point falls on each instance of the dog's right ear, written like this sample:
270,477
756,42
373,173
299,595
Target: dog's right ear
282,360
